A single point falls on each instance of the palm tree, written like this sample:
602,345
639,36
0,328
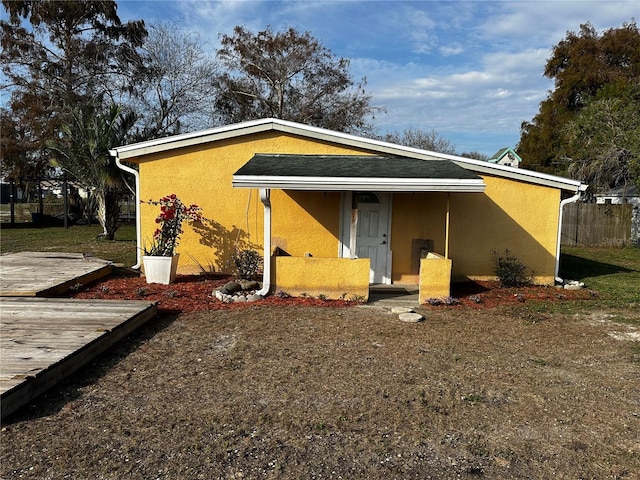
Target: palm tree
82,151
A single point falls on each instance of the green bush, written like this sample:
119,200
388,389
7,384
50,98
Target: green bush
510,271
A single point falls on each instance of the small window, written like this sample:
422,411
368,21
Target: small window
367,197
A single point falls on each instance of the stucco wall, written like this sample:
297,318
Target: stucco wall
509,215
418,219
302,222
306,222
435,277
333,278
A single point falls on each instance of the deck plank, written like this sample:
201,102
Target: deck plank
43,340
46,274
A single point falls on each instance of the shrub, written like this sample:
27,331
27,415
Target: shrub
449,301
248,264
510,271
476,298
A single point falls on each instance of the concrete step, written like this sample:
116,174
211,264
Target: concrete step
393,300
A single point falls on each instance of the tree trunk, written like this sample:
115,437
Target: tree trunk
108,213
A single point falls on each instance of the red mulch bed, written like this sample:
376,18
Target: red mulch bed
190,293
491,294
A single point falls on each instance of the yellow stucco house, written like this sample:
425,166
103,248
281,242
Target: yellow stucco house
335,213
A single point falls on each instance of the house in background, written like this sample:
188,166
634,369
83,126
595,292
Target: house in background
625,195
507,157
619,195
334,213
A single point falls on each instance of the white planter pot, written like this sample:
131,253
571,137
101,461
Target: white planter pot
160,269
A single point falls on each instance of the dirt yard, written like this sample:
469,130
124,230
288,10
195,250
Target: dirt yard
289,392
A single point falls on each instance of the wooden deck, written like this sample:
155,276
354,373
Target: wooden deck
43,340
38,274
46,339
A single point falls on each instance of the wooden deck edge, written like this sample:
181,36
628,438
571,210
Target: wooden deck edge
69,285
20,395
18,293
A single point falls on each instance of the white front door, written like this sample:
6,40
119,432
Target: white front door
372,240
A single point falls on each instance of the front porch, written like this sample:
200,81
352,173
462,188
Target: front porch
388,215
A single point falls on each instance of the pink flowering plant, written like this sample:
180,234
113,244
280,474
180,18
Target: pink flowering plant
172,214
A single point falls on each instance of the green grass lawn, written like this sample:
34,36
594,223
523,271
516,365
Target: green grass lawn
75,239
614,273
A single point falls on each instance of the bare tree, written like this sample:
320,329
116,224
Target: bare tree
174,84
291,76
475,155
424,139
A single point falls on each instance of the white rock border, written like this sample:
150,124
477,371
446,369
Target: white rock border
239,297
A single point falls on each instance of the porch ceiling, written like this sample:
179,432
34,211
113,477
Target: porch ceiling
355,172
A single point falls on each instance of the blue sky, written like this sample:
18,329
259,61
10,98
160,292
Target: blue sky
470,70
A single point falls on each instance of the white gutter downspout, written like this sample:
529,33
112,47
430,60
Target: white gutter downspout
564,202
138,221
266,270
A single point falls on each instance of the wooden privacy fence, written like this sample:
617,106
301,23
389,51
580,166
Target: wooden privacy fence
596,225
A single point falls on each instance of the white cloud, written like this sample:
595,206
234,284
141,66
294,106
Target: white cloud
449,50
546,22
497,97
471,69
420,26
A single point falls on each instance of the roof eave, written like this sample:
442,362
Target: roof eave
191,139
521,174
359,183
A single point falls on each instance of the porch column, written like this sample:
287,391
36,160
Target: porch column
446,228
353,226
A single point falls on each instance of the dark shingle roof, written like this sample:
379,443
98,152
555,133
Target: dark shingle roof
352,166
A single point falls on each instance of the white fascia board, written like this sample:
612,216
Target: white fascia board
190,139
355,183
520,174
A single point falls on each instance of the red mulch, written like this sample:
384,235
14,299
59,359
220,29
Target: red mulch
191,293
491,294
188,293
